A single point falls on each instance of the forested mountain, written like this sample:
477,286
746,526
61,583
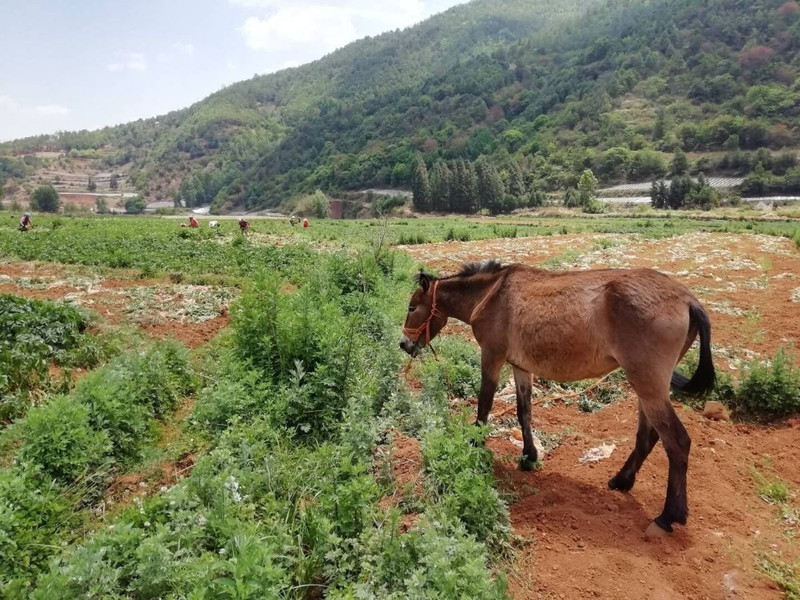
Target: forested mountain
543,89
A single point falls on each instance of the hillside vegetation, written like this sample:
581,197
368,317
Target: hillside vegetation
543,90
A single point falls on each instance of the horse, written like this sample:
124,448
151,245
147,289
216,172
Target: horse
573,325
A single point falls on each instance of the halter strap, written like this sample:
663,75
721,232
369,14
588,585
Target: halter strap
414,334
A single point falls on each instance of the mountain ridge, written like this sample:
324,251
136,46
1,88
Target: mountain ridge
617,86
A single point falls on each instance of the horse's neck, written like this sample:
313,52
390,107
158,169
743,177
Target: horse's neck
459,296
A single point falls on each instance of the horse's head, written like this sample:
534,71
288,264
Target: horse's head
424,319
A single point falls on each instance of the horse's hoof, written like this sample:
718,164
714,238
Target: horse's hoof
526,464
620,484
655,531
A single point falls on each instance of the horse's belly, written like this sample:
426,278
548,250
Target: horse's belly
563,361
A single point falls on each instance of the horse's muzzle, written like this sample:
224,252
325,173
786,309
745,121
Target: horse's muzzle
408,346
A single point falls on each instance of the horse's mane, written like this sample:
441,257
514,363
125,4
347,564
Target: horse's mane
474,268
468,269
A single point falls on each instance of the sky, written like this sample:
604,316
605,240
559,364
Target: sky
84,64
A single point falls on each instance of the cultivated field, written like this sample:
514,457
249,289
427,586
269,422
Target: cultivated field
281,446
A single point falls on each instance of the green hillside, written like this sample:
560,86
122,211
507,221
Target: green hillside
543,89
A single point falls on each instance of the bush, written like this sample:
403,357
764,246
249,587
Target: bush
459,474
33,515
438,559
770,390
45,199
59,441
459,369
135,205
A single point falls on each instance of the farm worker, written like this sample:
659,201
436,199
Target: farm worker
193,222
25,223
305,223
243,225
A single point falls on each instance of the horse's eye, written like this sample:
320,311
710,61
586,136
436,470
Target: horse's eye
411,308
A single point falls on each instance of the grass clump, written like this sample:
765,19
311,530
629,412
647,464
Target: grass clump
785,575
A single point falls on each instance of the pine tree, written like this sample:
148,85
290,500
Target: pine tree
491,192
587,188
471,202
441,182
516,182
660,127
420,186
680,163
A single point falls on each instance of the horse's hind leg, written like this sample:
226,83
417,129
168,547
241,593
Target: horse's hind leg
677,443
522,380
646,438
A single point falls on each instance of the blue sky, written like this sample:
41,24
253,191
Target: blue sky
83,64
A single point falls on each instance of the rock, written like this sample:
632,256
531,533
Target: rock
654,532
601,452
716,411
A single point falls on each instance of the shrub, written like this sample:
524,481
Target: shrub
33,515
438,559
459,369
459,474
45,198
59,441
770,390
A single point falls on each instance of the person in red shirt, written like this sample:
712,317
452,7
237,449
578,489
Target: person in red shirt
244,225
305,223
193,222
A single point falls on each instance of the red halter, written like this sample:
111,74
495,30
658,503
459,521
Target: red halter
414,334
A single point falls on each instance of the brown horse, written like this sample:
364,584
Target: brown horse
567,326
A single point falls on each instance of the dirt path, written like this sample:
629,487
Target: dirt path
577,539
587,541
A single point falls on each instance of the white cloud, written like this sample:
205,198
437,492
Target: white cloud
51,110
133,61
323,25
187,49
11,106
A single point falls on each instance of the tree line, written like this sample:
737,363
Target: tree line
467,187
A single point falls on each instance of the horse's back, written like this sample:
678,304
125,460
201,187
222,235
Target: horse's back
586,320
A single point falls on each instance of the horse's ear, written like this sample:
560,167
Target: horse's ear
424,280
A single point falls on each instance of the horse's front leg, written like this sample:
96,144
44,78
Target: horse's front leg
522,380
490,373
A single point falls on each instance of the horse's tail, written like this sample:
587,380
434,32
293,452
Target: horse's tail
704,377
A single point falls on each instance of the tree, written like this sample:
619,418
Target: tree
680,163
440,180
516,182
659,195
587,188
91,185
571,198
470,183
660,126
101,206
319,205
490,187
45,199
420,186
113,183
135,205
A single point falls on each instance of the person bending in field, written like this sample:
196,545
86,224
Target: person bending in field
193,222
244,226
25,223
